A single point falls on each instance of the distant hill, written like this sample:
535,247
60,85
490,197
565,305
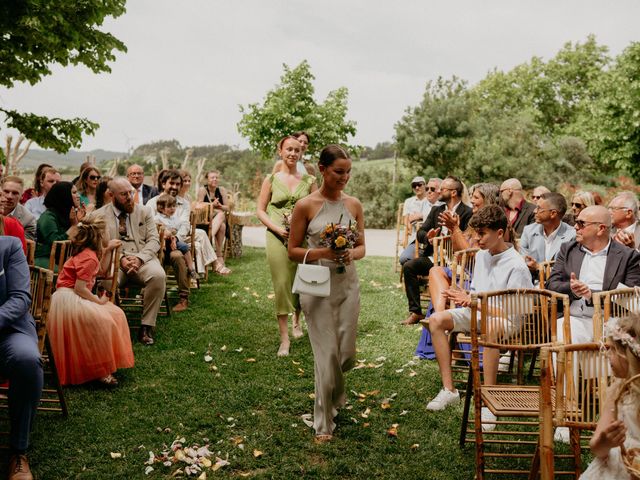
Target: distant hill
73,158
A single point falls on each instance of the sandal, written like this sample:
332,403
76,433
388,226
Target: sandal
323,438
221,269
109,381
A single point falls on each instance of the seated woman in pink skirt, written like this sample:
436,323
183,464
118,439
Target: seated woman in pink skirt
89,335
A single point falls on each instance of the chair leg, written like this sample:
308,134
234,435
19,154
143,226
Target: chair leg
532,367
574,441
535,464
467,407
56,379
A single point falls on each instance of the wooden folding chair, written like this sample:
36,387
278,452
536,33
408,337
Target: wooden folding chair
401,237
523,320
31,251
109,281
52,399
572,398
613,304
544,272
60,253
200,216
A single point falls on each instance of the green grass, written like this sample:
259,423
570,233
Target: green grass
172,387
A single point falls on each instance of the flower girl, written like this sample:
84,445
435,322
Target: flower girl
616,440
89,335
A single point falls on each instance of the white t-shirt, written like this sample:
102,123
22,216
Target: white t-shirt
501,271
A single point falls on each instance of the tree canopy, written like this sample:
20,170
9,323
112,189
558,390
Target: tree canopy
291,107
575,117
36,35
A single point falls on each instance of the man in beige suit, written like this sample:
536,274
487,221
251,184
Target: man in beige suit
134,225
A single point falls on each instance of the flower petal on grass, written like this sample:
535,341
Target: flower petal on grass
257,453
115,455
393,430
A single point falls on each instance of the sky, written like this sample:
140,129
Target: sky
191,63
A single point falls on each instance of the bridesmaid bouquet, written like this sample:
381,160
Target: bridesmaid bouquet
339,237
286,223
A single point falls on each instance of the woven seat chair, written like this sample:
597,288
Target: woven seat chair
52,399
523,320
613,303
544,272
572,398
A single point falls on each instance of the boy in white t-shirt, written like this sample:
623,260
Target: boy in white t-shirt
498,266
166,215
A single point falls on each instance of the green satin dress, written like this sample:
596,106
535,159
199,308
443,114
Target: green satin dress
282,269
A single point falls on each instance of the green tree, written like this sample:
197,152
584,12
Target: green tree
437,133
611,121
37,35
290,107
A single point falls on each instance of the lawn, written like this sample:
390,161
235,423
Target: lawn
246,404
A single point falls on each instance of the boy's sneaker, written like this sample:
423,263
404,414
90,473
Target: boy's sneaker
487,416
504,363
561,435
443,400
193,274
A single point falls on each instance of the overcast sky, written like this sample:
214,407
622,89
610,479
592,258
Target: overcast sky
190,63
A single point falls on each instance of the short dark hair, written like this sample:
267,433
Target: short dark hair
300,134
556,202
171,175
491,217
331,153
458,184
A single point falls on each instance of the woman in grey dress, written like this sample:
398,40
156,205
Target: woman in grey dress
332,321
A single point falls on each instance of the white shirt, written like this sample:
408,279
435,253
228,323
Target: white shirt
631,228
183,211
36,206
591,273
172,223
548,240
444,230
500,271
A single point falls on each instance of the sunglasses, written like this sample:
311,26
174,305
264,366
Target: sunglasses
416,185
94,177
578,205
536,197
580,224
432,189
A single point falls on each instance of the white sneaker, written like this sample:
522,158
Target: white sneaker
504,362
561,435
487,416
443,400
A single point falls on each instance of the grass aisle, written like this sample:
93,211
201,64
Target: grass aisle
247,397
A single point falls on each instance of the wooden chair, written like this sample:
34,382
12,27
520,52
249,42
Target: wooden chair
60,253
572,398
613,303
544,272
462,267
52,399
522,320
200,216
442,251
401,237
109,281
31,251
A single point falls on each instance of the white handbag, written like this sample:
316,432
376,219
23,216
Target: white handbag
312,280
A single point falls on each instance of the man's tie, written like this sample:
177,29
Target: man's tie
122,224
136,197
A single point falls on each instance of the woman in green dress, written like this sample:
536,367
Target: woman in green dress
279,193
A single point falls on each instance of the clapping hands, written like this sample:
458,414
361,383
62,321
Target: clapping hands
579,289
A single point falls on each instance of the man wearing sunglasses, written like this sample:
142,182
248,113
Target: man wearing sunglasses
591,263
519,211
416,209
541,241
624,218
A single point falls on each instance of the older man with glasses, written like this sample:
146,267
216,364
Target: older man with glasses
142,192
417,208
624,218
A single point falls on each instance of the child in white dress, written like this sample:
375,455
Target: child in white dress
612,432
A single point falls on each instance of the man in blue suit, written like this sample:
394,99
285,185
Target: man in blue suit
541,241
20,360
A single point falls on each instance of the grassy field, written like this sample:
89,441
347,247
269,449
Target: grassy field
246,400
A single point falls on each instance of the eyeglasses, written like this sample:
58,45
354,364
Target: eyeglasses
447,188
545,209
135,174
432,189
580,224
94,177
618,208
578,205
416,185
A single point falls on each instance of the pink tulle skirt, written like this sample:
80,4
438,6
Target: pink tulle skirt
89,341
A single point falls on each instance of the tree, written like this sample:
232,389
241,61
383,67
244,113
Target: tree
437,132
37,35
611,121
290,107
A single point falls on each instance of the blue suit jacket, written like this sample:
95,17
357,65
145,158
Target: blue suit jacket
15,294
532,241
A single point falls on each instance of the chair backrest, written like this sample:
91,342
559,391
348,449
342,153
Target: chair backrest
401,235
442,251
31,251
464,263
544,272
41,288
613,303
110,278
60,253
516,319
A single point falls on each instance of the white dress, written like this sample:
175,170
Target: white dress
612,468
